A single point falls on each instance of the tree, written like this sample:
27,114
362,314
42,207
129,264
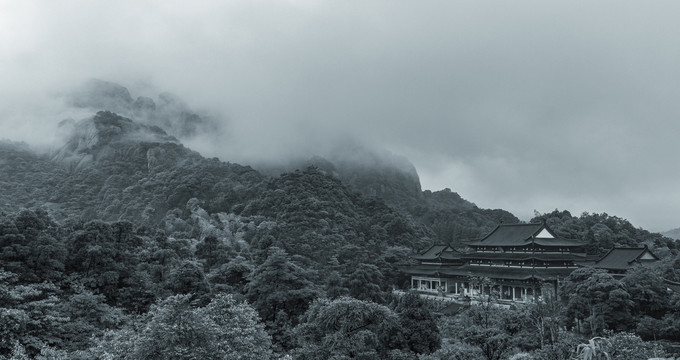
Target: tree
89,316
232,276
242,335
619,346
279,284
597,298
188,277
594,349
223,329
485,326
417,324
347,328
544,319
281,291
28,247
29,314
648,291
212,251
455,351
365,283
176,331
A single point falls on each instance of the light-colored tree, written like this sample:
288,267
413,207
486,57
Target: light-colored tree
224,329
347,328
594,349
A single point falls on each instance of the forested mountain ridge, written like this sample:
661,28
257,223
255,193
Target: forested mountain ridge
602,231
112,168
395,180
123,234
139,218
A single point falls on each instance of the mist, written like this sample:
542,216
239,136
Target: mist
524,106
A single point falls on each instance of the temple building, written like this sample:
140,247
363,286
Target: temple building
619,260
519,262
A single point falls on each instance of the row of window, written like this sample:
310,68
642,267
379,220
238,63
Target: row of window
524,250
522,263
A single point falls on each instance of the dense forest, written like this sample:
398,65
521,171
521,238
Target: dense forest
124,244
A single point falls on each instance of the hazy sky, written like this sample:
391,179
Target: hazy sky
520,105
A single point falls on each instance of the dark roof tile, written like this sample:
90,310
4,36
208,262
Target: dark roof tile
622,258
521,235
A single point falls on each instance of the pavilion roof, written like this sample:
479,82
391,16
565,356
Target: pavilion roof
437,252
621,258
522,235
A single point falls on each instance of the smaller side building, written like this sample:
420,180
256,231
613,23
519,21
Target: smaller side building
621,259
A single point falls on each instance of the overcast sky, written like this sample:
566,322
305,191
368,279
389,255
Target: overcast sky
520,105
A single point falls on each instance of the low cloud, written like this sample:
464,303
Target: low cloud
524,105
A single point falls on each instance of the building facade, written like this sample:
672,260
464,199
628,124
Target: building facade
516,262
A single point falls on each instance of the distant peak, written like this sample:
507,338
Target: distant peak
89,139
102,95
168,111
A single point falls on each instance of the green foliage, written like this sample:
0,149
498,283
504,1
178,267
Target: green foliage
232,276
278,284
562,349
224,329
89,316
454,220
187,277
598,299
281,291
541,322
318,217
455,351
602,231
28,246
648,291
140,218
418,326
365,283
487,327
619,346
595,349
347,328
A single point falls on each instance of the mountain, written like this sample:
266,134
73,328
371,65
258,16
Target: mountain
112,168
394,180
371,172
122,215
673,233
168,111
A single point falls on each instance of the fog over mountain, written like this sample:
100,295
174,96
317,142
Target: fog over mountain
523,106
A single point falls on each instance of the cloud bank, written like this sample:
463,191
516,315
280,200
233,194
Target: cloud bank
529,105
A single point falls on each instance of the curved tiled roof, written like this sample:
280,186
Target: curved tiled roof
522,235
432,253
438,252
622,258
